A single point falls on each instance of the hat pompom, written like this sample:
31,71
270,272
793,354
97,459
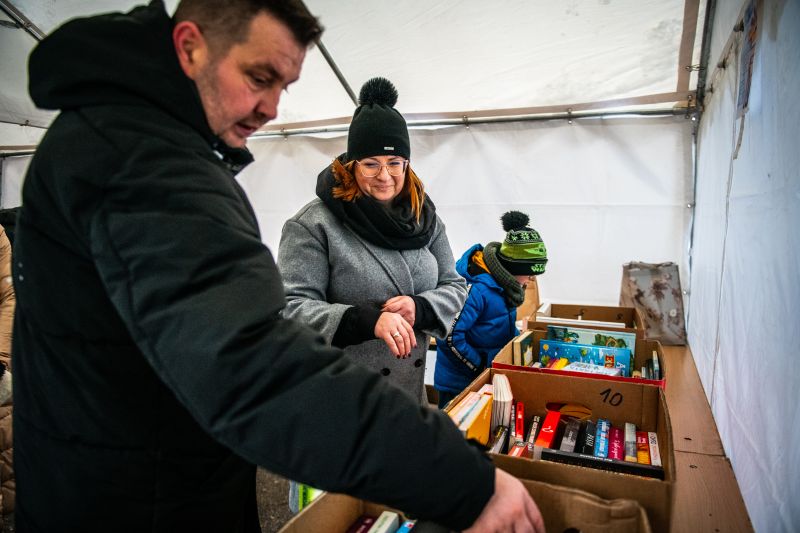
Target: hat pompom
378,91
514,220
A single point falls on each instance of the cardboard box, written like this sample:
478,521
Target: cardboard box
644,351
618,402
583,315
562,508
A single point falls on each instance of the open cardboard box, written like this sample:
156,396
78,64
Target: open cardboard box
619,402
644,350
562,508
584,315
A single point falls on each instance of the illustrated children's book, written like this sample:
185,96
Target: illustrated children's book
594,337
584,353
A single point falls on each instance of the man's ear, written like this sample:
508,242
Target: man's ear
191,48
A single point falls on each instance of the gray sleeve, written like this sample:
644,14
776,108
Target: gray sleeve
303,264
451,290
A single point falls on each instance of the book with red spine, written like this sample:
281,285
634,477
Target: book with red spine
549,429
519,425
362,525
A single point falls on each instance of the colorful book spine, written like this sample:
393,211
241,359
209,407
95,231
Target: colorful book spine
586,439
642,448
570,438
616,443
519,425
601,438
630,442
549,429
655,454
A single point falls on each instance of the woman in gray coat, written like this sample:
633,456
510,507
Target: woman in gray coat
367,263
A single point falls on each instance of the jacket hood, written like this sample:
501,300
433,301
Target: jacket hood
116,59
462,267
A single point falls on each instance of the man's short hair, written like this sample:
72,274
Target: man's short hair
226,22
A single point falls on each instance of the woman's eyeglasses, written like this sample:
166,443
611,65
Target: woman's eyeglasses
395,168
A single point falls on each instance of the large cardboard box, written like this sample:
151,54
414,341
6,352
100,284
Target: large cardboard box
584,315
563,509
644,350
619,402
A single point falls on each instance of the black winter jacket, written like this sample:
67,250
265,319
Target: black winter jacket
152,369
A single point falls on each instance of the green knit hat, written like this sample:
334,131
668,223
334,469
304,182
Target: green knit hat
522,251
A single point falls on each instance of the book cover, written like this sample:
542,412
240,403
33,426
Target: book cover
616,444
462,408
519,449
362,525
589,368
656,366
586,438
387,522
630,442
602,463
601,438
477,424
570,438
407,526
521,350
498,443
584,353
642,448
595,337
655,454
549,429
533,432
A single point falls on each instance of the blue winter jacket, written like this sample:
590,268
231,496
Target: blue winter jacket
484,325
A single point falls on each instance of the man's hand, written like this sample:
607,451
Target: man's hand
510,509
396,333
403,305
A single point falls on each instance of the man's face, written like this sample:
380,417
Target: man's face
240,90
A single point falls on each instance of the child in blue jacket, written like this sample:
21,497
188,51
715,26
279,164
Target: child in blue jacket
496,276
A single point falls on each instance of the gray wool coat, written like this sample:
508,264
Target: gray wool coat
327,268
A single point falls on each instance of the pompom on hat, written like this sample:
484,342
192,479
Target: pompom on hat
377,127
522,251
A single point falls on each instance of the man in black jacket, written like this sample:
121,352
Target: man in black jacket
154,369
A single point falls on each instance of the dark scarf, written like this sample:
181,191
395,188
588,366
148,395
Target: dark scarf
514,293
394,226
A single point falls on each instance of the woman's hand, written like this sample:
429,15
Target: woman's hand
403,305
397,333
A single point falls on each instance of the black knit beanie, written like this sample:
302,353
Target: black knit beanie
377,128
522,251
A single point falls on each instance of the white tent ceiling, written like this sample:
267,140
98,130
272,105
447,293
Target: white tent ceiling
449,58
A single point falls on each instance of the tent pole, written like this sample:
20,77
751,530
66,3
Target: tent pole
22,21
339,75
573,116
705,52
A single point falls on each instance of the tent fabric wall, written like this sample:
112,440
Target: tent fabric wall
745,263
601,192
12,175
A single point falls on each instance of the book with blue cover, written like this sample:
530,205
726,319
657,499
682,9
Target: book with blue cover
585,353
594,337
